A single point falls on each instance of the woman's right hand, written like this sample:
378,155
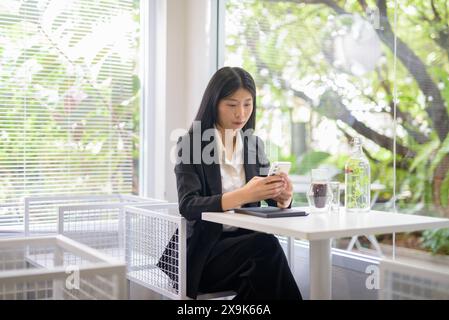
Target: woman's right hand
261,188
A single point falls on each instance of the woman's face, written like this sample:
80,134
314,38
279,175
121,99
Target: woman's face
234,111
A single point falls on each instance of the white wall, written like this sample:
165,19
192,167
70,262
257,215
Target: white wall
190,61
181,55
200,50
176,86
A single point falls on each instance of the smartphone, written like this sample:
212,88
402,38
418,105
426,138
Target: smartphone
279,166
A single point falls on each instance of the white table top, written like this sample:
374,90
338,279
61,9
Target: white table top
319,226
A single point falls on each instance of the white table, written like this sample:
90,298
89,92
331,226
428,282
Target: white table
301,184
320,228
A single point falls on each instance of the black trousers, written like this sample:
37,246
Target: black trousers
252,264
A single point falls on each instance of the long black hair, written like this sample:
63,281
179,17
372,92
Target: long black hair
224,83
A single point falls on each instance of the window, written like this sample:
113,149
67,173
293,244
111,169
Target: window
69,99
327,72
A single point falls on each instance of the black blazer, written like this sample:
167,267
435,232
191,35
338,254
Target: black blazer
200,190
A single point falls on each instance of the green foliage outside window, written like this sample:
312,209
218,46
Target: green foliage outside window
69,97
281,43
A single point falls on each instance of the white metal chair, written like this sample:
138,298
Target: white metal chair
38,268
41,212
99,225
96,221
156,250
137,233
405,280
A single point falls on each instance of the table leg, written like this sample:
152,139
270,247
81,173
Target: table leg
291,253
375,244
371,238
320,270
352,243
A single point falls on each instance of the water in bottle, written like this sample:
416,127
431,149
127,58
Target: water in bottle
357,180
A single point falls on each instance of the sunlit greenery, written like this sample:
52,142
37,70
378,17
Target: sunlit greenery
68,96
281,42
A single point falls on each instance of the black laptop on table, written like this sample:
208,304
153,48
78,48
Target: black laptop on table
271,212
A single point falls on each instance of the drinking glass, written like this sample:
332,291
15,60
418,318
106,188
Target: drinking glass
334,187
319,195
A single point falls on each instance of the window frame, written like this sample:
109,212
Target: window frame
152,123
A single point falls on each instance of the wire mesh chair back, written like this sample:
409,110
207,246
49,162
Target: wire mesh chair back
41,212
156,247
99,225
156,250
404,280
55,267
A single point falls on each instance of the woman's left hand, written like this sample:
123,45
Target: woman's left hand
285,197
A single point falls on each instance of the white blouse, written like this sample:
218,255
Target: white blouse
231,167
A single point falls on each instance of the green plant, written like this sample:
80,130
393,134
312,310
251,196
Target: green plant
436,240
311,160
293,73
70,119
357,184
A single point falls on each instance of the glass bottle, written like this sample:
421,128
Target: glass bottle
357,180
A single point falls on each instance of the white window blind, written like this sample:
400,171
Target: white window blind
68,99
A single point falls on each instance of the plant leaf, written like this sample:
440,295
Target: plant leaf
311,160
423,153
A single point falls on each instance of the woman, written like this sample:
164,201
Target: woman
221,165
